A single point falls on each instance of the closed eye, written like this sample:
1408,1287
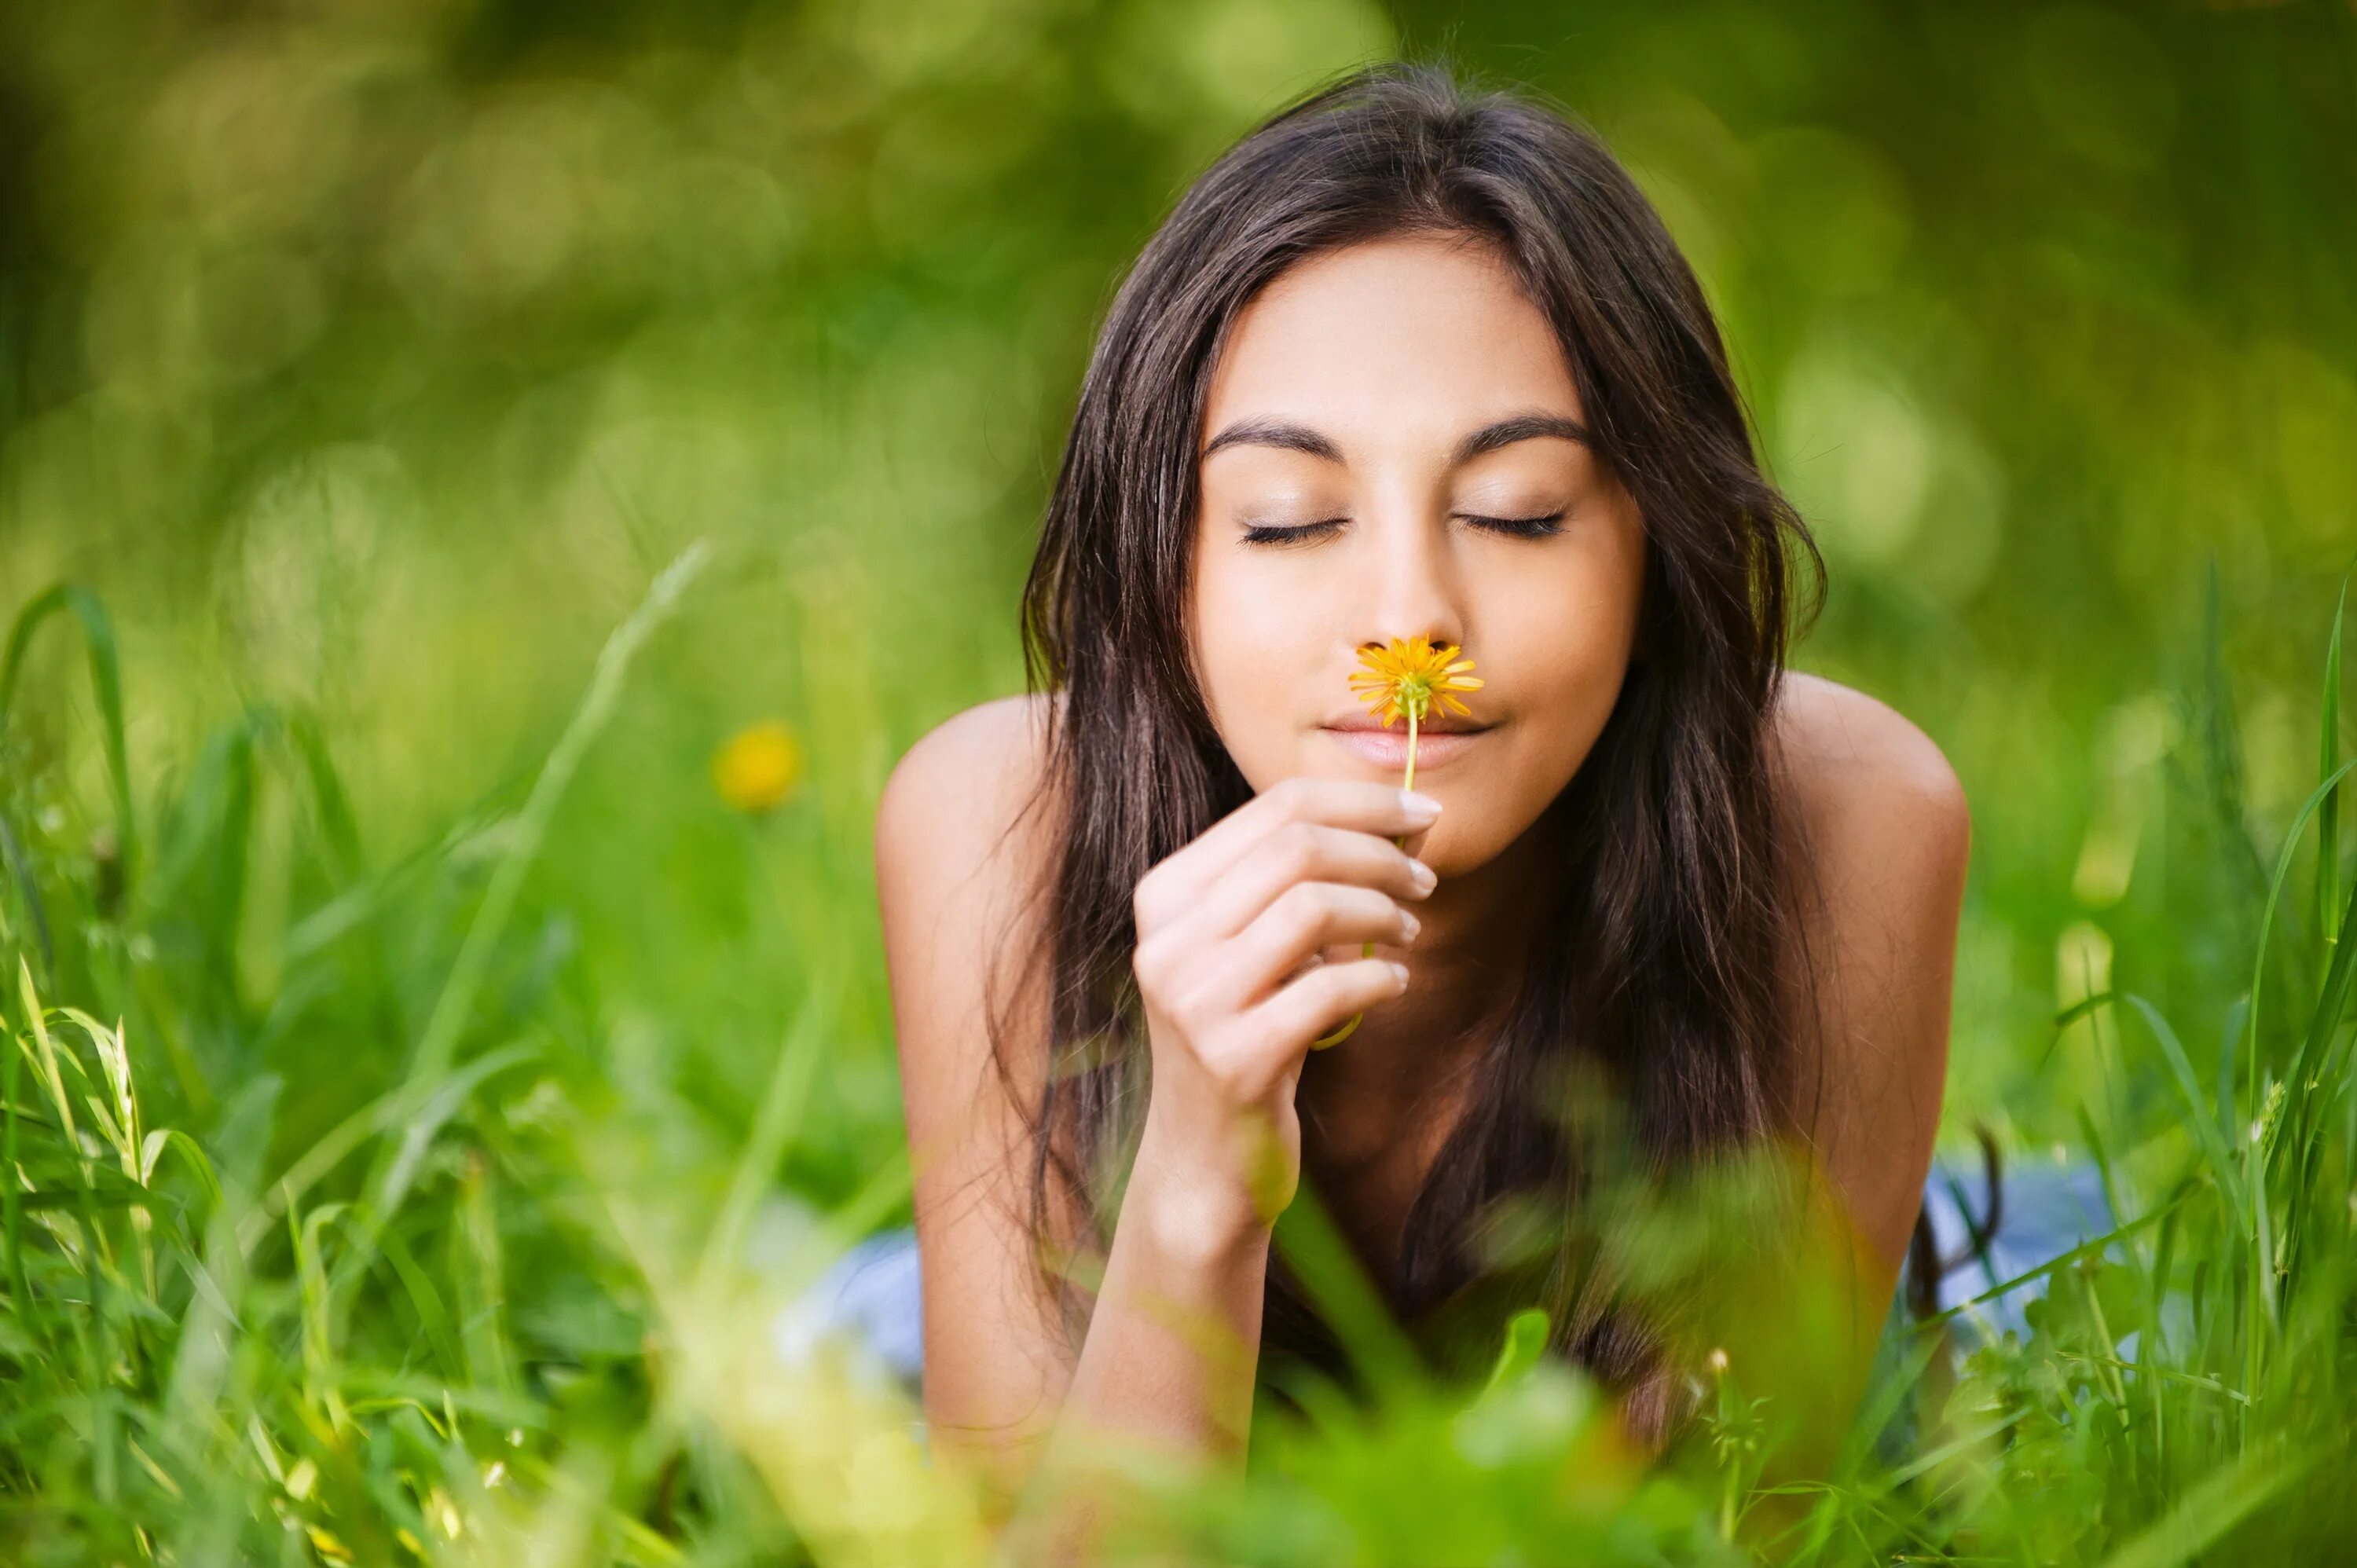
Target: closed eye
1302,534
1297,533
1519,527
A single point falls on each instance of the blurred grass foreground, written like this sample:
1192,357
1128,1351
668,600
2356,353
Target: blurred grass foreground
487,489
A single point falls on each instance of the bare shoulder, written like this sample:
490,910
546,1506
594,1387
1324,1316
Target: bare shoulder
991,754
962,843
1883,823
1885,837
1849,757
956,799
963,837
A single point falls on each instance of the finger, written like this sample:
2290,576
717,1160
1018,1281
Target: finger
1305,919
1298,853
1412,845
1348,803
1312,1006
1177,882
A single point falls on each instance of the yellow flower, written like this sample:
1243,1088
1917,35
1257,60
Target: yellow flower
1410,676
758,767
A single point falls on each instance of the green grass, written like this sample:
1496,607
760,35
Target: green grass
423,1252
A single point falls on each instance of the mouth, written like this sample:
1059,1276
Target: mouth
1441,740
1431,723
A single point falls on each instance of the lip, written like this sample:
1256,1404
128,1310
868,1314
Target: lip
1437,746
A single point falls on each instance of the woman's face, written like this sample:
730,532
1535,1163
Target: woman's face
1393,447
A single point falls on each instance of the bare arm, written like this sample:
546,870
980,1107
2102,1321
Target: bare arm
949,873
1172,1344
1888,839
1890,836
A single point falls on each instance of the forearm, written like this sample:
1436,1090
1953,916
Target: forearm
1172,1349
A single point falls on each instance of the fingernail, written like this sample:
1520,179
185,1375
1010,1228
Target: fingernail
1414,925
1422,808
1399,973
1423,875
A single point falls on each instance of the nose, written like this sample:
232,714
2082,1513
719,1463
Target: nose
1415,590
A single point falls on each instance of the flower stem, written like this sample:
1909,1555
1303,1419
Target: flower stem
1408,782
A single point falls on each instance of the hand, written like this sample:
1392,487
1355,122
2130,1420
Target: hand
1228,929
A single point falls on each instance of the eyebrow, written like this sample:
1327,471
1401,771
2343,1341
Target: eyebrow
1286,435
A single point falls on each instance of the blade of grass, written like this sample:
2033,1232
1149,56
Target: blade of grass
2333,998
96,1345
1331,1276
2229,1034
2213,1143
202,839
2164,1260
46,1058
1912,1360
773,1128
2106,1173
2303,1135
317,1334
442,1027
2328,831
353,1132
393,1170
42,1199
634,1532
1525,1341
338,826
105,679
478,1264
2221,753
877,1196
2315,1091
193,1397
2069,1015
21,873
370,895
433,1317
192,1154
12,1204
2247,1199
2210,1509
2317,797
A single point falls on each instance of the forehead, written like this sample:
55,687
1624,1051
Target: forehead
1393,338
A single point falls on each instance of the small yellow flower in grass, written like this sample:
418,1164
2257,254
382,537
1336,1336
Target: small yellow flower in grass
758,767
1406,677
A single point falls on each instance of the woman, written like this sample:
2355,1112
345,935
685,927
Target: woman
1406,362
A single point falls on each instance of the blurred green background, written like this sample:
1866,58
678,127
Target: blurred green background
369,359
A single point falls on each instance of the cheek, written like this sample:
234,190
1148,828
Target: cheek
1253,642
1571,656
1579,673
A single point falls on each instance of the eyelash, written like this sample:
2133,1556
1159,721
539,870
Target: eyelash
1512,527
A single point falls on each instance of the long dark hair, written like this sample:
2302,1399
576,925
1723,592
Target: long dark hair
1655,969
